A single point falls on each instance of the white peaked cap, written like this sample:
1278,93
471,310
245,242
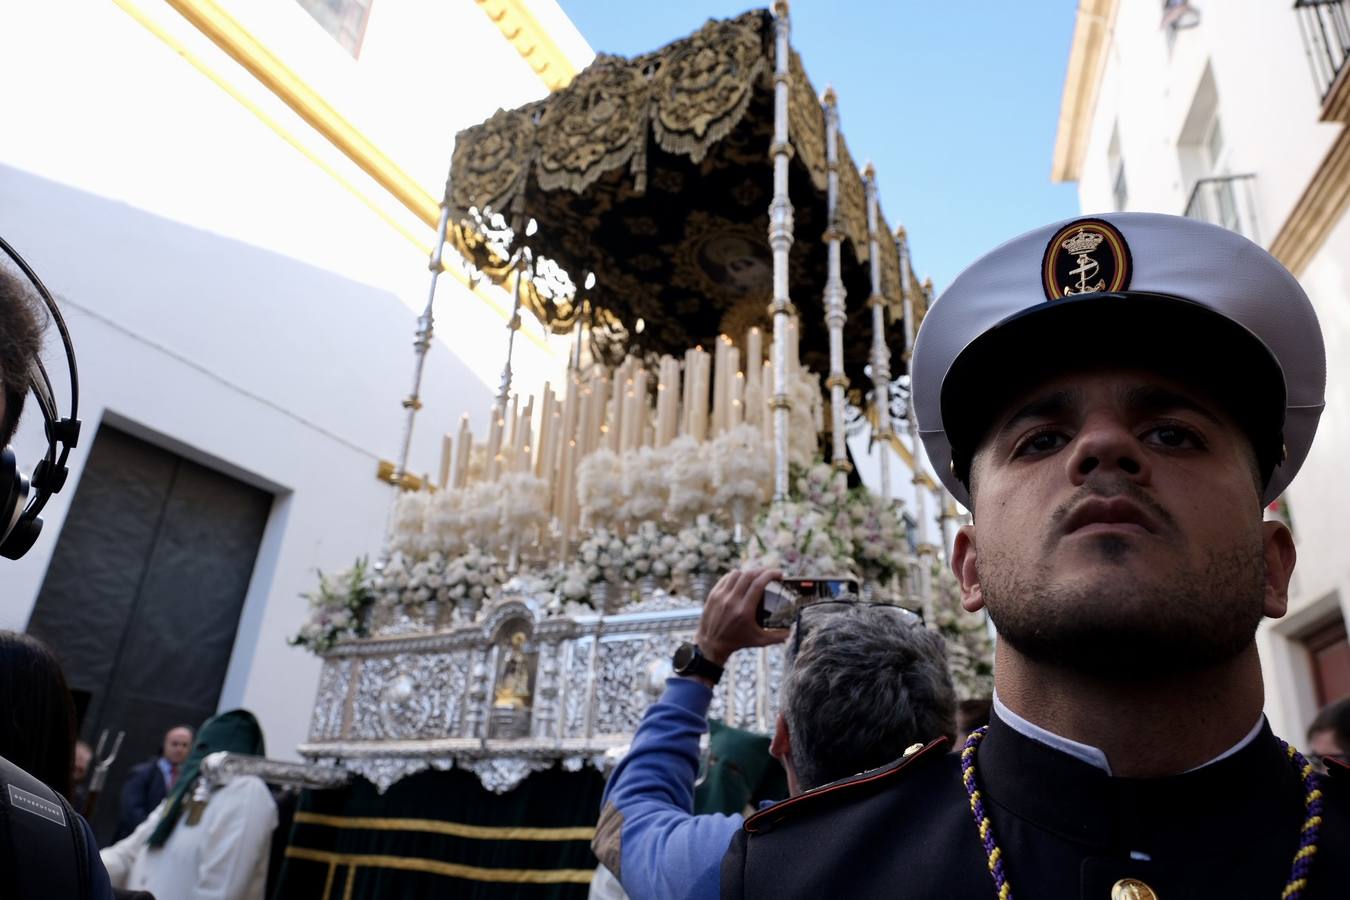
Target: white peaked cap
1142,289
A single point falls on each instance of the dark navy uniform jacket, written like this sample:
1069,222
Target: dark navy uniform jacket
1066,828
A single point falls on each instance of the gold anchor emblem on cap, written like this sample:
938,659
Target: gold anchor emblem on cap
1132,889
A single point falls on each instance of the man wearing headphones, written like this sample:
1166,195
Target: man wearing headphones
47,850
1116,399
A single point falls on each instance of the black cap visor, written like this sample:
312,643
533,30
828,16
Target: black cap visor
1176,338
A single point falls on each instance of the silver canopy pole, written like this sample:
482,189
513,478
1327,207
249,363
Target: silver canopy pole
780,241
881,357
421,344
837,383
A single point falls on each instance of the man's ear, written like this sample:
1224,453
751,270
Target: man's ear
963,567
1280,555
780,747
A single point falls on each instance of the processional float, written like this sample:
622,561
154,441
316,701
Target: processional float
521,617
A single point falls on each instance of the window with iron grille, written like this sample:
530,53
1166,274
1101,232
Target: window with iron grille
1325,27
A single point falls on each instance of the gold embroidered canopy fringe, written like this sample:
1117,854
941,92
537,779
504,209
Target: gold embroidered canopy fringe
654,173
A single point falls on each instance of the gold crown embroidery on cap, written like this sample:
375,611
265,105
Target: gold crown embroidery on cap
1087,256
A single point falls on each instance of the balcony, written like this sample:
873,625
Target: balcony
1226,200
1325,26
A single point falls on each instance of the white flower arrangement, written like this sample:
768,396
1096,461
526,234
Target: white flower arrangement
649,552
600,488
690,474
337,610
408,523
481,513
805,420
600,557
798,538
523,502
742,465
703,548
444,524
646,488
880,541
472,576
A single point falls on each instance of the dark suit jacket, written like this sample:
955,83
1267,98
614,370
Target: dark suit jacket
1068,830
142,792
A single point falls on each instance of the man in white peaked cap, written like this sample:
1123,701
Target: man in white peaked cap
1116,399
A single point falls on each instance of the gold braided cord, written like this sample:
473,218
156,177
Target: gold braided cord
439,867
454,829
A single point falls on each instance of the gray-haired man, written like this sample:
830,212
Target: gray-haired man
863,684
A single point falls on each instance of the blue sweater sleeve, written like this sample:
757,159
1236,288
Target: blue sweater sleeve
665,850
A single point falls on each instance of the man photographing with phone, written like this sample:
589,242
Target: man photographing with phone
863,684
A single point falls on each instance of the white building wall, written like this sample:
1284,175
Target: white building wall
229,299
1268,105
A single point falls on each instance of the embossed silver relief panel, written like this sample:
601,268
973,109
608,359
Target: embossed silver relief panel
330,700
576,686
426,701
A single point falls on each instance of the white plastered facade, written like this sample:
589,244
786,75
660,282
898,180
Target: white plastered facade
1158,96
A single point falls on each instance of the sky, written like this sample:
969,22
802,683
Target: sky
956,104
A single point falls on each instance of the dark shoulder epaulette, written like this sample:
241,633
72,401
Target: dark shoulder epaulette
843,790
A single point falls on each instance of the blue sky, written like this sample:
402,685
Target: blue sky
956,104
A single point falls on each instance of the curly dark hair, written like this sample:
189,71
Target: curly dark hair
22,321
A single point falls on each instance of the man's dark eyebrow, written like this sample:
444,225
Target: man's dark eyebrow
1153,400
1049,405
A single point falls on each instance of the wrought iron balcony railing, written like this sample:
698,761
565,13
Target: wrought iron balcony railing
1325,25
1226,200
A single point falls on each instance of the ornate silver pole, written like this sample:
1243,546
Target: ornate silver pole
780,241
504,390
881,361
924,545
421,343
834,287
920,488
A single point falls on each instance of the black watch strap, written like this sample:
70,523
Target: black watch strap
689,660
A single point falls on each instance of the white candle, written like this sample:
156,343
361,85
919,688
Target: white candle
447,445
465,448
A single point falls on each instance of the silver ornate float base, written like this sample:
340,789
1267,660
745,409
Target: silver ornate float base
523,686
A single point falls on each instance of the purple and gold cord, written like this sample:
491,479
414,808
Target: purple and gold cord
1303,857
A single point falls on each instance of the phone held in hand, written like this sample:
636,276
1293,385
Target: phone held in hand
781,601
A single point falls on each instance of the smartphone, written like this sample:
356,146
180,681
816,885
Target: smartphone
782,600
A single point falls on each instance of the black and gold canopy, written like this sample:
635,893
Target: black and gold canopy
654,175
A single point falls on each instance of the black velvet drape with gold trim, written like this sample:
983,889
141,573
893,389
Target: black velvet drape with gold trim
441,834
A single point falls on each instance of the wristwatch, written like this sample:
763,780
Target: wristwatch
689,660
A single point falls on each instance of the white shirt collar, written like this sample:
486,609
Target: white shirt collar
1093,756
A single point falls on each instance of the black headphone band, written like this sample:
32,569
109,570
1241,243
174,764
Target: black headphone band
23,497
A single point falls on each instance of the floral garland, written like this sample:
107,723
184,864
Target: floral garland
601,557
798,538
703,548
880,539
337,610
649,552
472,576
409,584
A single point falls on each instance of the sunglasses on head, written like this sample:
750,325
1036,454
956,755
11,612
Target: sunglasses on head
814,612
